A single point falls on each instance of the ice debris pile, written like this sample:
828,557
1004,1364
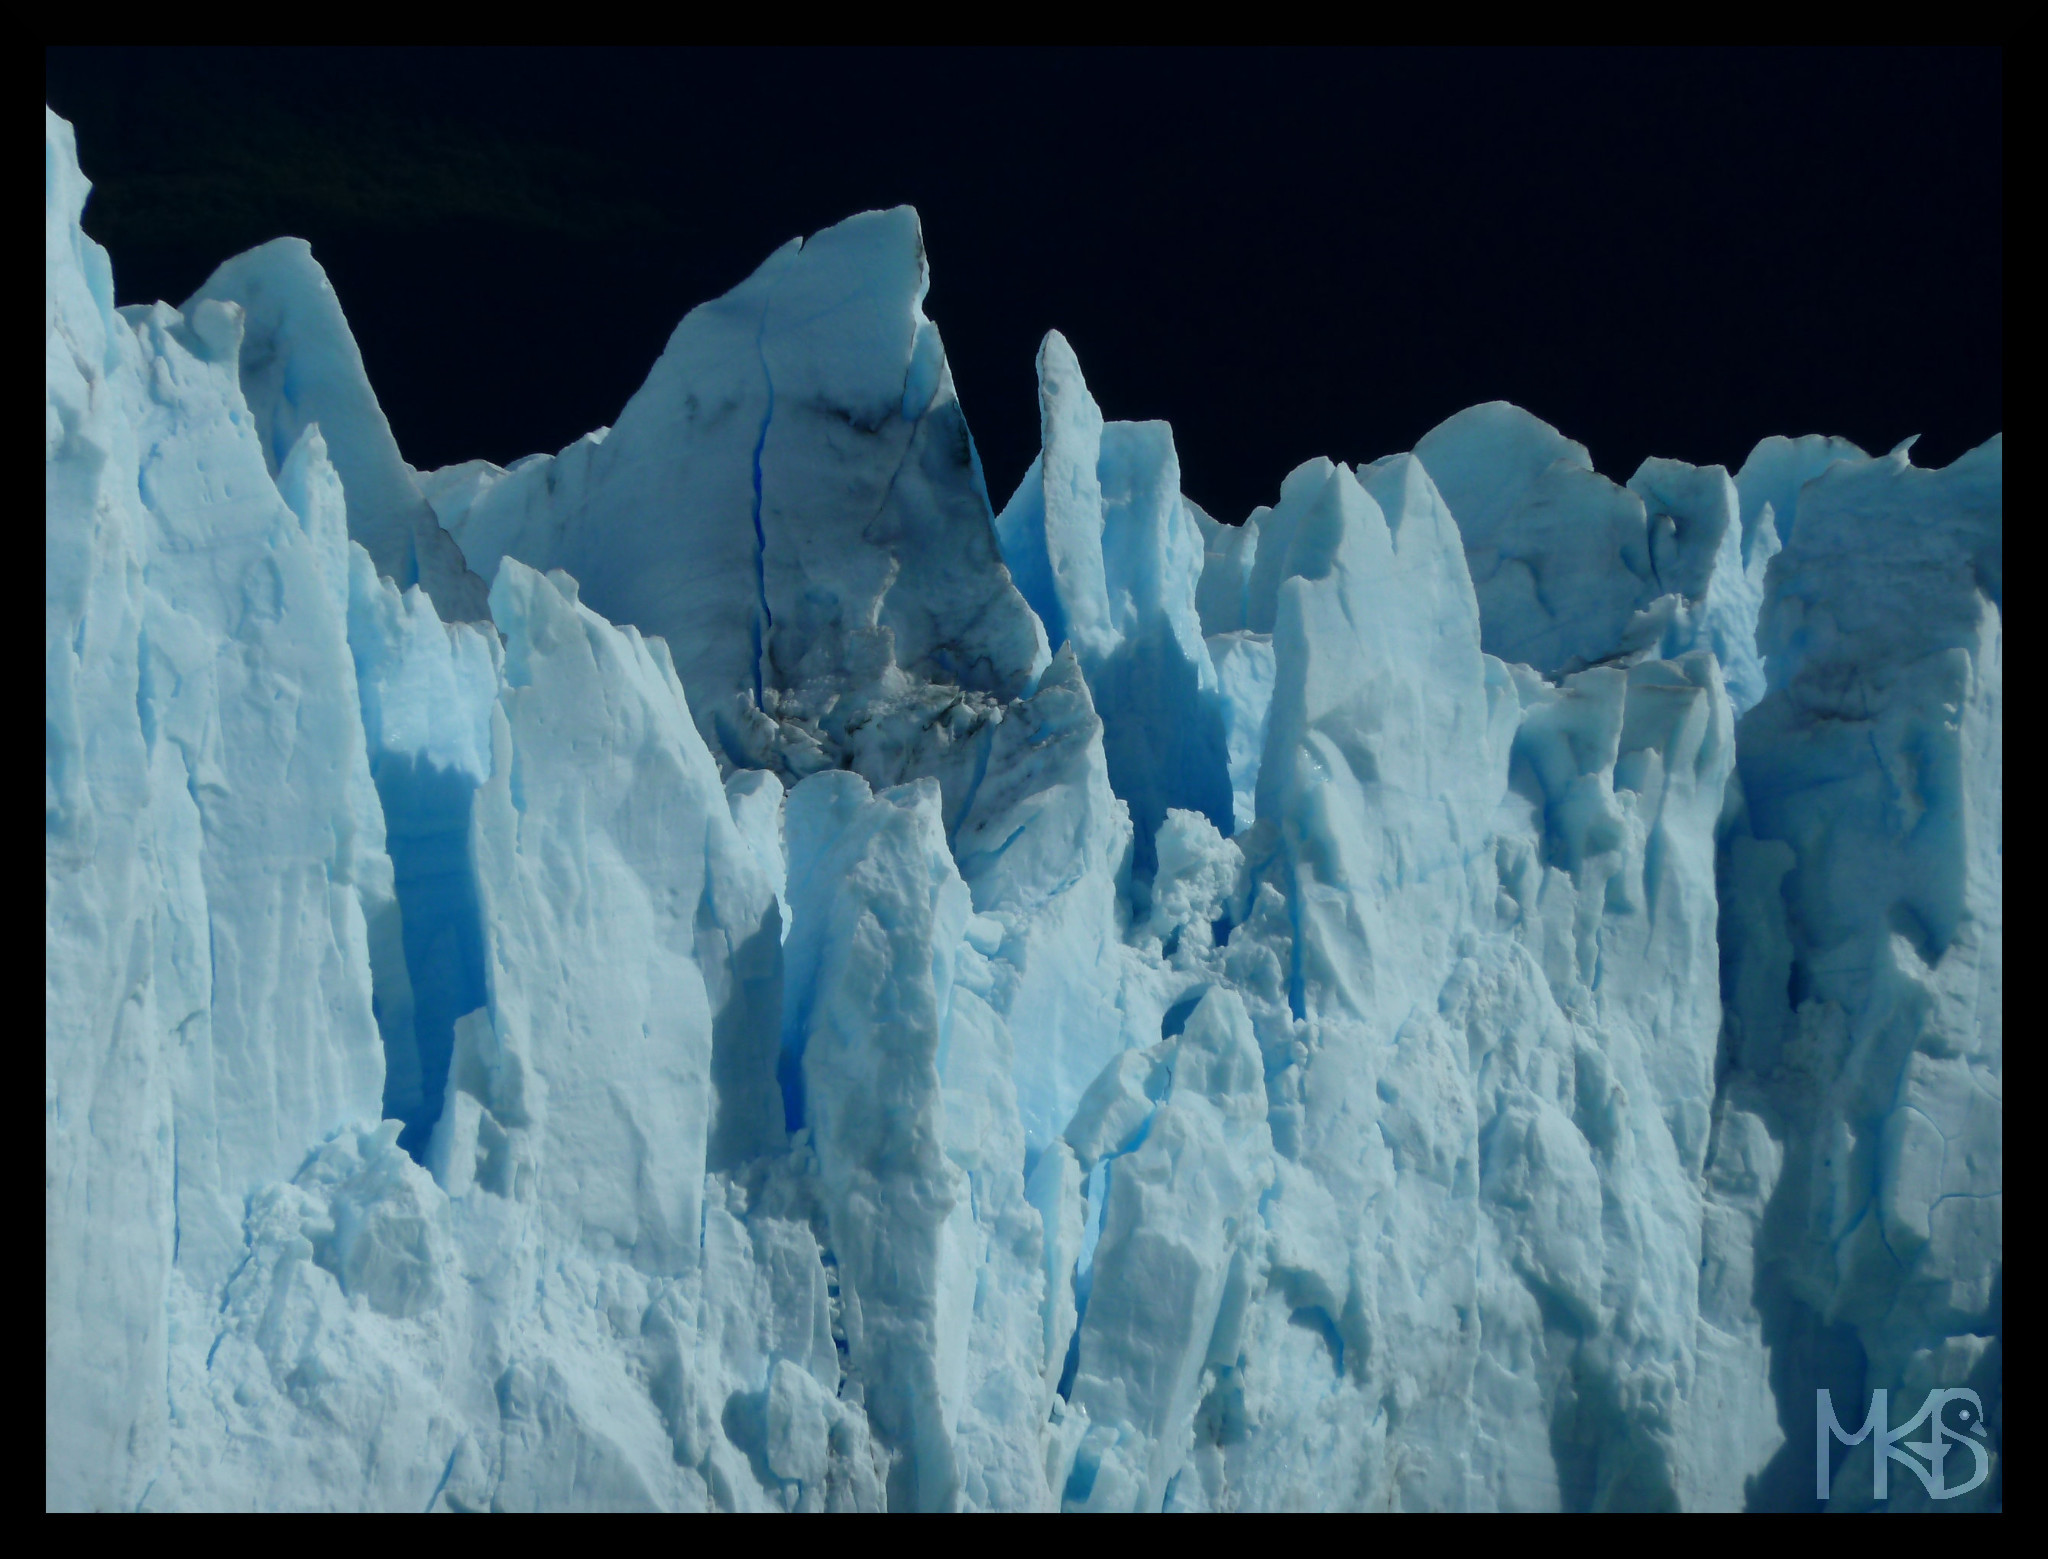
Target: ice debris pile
714,969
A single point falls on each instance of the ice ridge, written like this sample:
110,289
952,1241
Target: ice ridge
1477,988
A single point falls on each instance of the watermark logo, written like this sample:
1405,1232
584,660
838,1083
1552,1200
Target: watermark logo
1965,1428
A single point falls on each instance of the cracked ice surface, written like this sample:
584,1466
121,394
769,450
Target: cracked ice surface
1478,988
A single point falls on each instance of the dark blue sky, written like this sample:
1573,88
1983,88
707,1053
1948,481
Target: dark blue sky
1284,254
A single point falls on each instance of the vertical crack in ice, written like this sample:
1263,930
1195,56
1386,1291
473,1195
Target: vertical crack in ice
428,812
447,1472
1297,993
764,619
986,739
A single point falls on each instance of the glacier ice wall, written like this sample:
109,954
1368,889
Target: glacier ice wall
1478,988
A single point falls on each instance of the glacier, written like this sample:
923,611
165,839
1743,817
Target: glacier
719,969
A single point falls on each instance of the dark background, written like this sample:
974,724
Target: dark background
1285,254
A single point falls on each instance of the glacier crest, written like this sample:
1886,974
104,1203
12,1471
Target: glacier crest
1477,988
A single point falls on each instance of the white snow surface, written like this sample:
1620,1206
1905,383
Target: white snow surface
1478,988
